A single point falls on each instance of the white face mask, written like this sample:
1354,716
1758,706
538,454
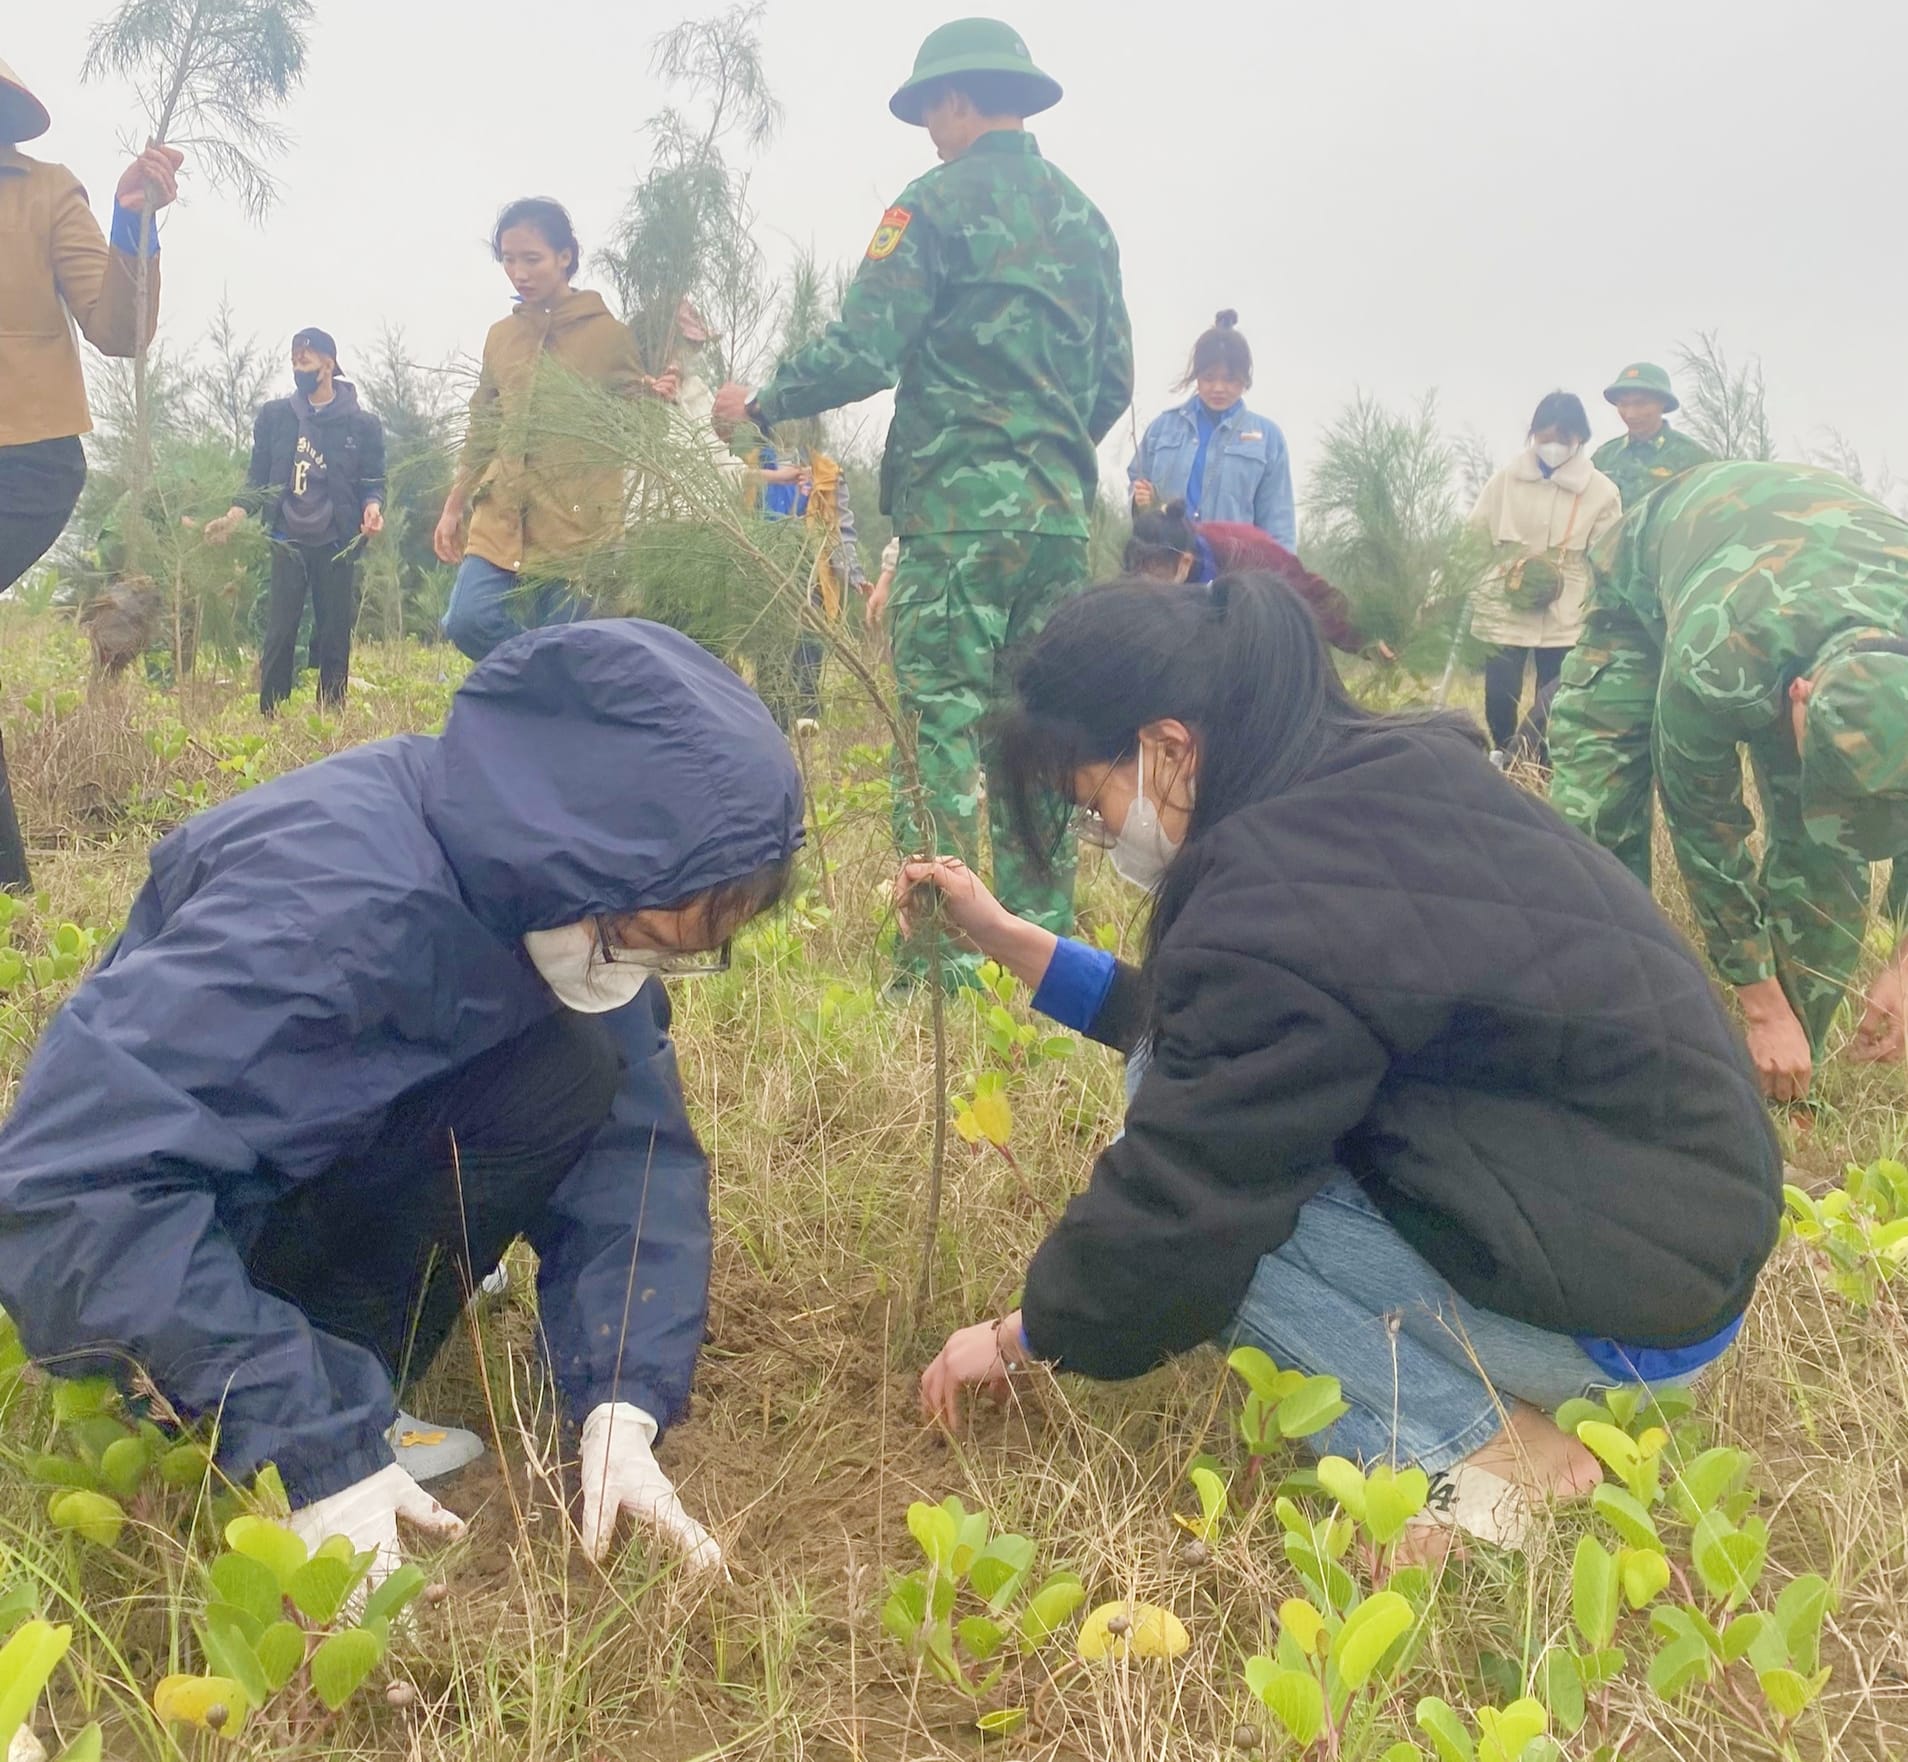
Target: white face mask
1556,454
571,963
1142,851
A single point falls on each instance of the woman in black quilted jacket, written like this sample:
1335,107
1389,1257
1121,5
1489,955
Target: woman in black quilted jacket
1424,1092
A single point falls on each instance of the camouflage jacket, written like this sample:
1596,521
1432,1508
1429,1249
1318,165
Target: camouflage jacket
1742,574
990,299
1639,467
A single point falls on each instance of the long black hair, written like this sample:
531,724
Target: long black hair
1241,663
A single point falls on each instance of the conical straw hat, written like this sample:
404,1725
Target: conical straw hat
22,116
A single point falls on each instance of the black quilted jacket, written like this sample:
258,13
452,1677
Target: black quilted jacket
1408,967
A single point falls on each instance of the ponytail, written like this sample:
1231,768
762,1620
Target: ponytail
1161,536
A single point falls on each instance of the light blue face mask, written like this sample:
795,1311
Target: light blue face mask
1142,852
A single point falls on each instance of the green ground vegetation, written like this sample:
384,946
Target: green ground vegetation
1235,1601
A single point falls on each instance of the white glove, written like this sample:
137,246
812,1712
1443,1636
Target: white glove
619,1474
366,1513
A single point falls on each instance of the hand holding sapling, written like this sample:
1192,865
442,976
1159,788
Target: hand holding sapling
151,181
975,915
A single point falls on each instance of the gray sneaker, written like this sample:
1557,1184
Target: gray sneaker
429,1452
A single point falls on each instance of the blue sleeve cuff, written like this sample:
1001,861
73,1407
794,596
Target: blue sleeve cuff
125,232
1075,987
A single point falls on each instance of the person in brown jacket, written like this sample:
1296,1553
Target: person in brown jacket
56,270
537,503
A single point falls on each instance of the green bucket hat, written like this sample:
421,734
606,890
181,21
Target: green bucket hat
1855,751
976,45
1642,376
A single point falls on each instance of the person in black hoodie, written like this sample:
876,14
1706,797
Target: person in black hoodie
1424,1091
317,479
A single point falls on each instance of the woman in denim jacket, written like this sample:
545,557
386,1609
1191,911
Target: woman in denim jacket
1224,461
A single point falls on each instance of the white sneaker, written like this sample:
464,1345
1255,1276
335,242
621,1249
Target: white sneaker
427,1453
495,1282
1500,758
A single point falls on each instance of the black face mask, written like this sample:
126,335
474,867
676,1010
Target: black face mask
306,379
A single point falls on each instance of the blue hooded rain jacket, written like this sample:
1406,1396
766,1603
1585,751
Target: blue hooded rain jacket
303,955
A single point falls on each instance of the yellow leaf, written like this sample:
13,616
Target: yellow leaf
188,1699
993,1117
1302,1622
1151,1632
966,1125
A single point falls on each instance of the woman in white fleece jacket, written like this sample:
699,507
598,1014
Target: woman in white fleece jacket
1542,513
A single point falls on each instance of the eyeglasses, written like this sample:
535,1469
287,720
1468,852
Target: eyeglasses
1087,826
688,964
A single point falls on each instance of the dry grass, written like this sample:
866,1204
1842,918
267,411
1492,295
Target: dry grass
805,1447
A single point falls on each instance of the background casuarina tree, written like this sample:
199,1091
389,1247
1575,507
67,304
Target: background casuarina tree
688,231
1383,523
209,74
231,384
1723,406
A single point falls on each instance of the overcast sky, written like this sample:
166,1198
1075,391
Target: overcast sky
1490,199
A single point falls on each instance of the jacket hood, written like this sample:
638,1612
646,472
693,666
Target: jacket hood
576,306
344,402
605,767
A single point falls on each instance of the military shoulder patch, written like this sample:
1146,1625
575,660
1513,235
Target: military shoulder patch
887,238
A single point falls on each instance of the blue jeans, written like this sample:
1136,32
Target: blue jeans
486,603
1429,1376
1326,1301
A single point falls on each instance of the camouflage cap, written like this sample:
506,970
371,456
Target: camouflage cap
1642,376
976,45
1855,749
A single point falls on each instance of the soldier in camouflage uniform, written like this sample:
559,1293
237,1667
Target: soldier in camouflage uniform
1652,452
1758,606
990,298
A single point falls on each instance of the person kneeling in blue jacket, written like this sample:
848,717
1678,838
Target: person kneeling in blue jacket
372,1021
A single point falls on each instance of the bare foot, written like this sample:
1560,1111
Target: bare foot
1540,1462
1530,1452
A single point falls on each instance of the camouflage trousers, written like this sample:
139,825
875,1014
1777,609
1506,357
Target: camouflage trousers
961,605
1609,753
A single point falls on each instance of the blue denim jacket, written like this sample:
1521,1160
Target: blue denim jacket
1248,471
